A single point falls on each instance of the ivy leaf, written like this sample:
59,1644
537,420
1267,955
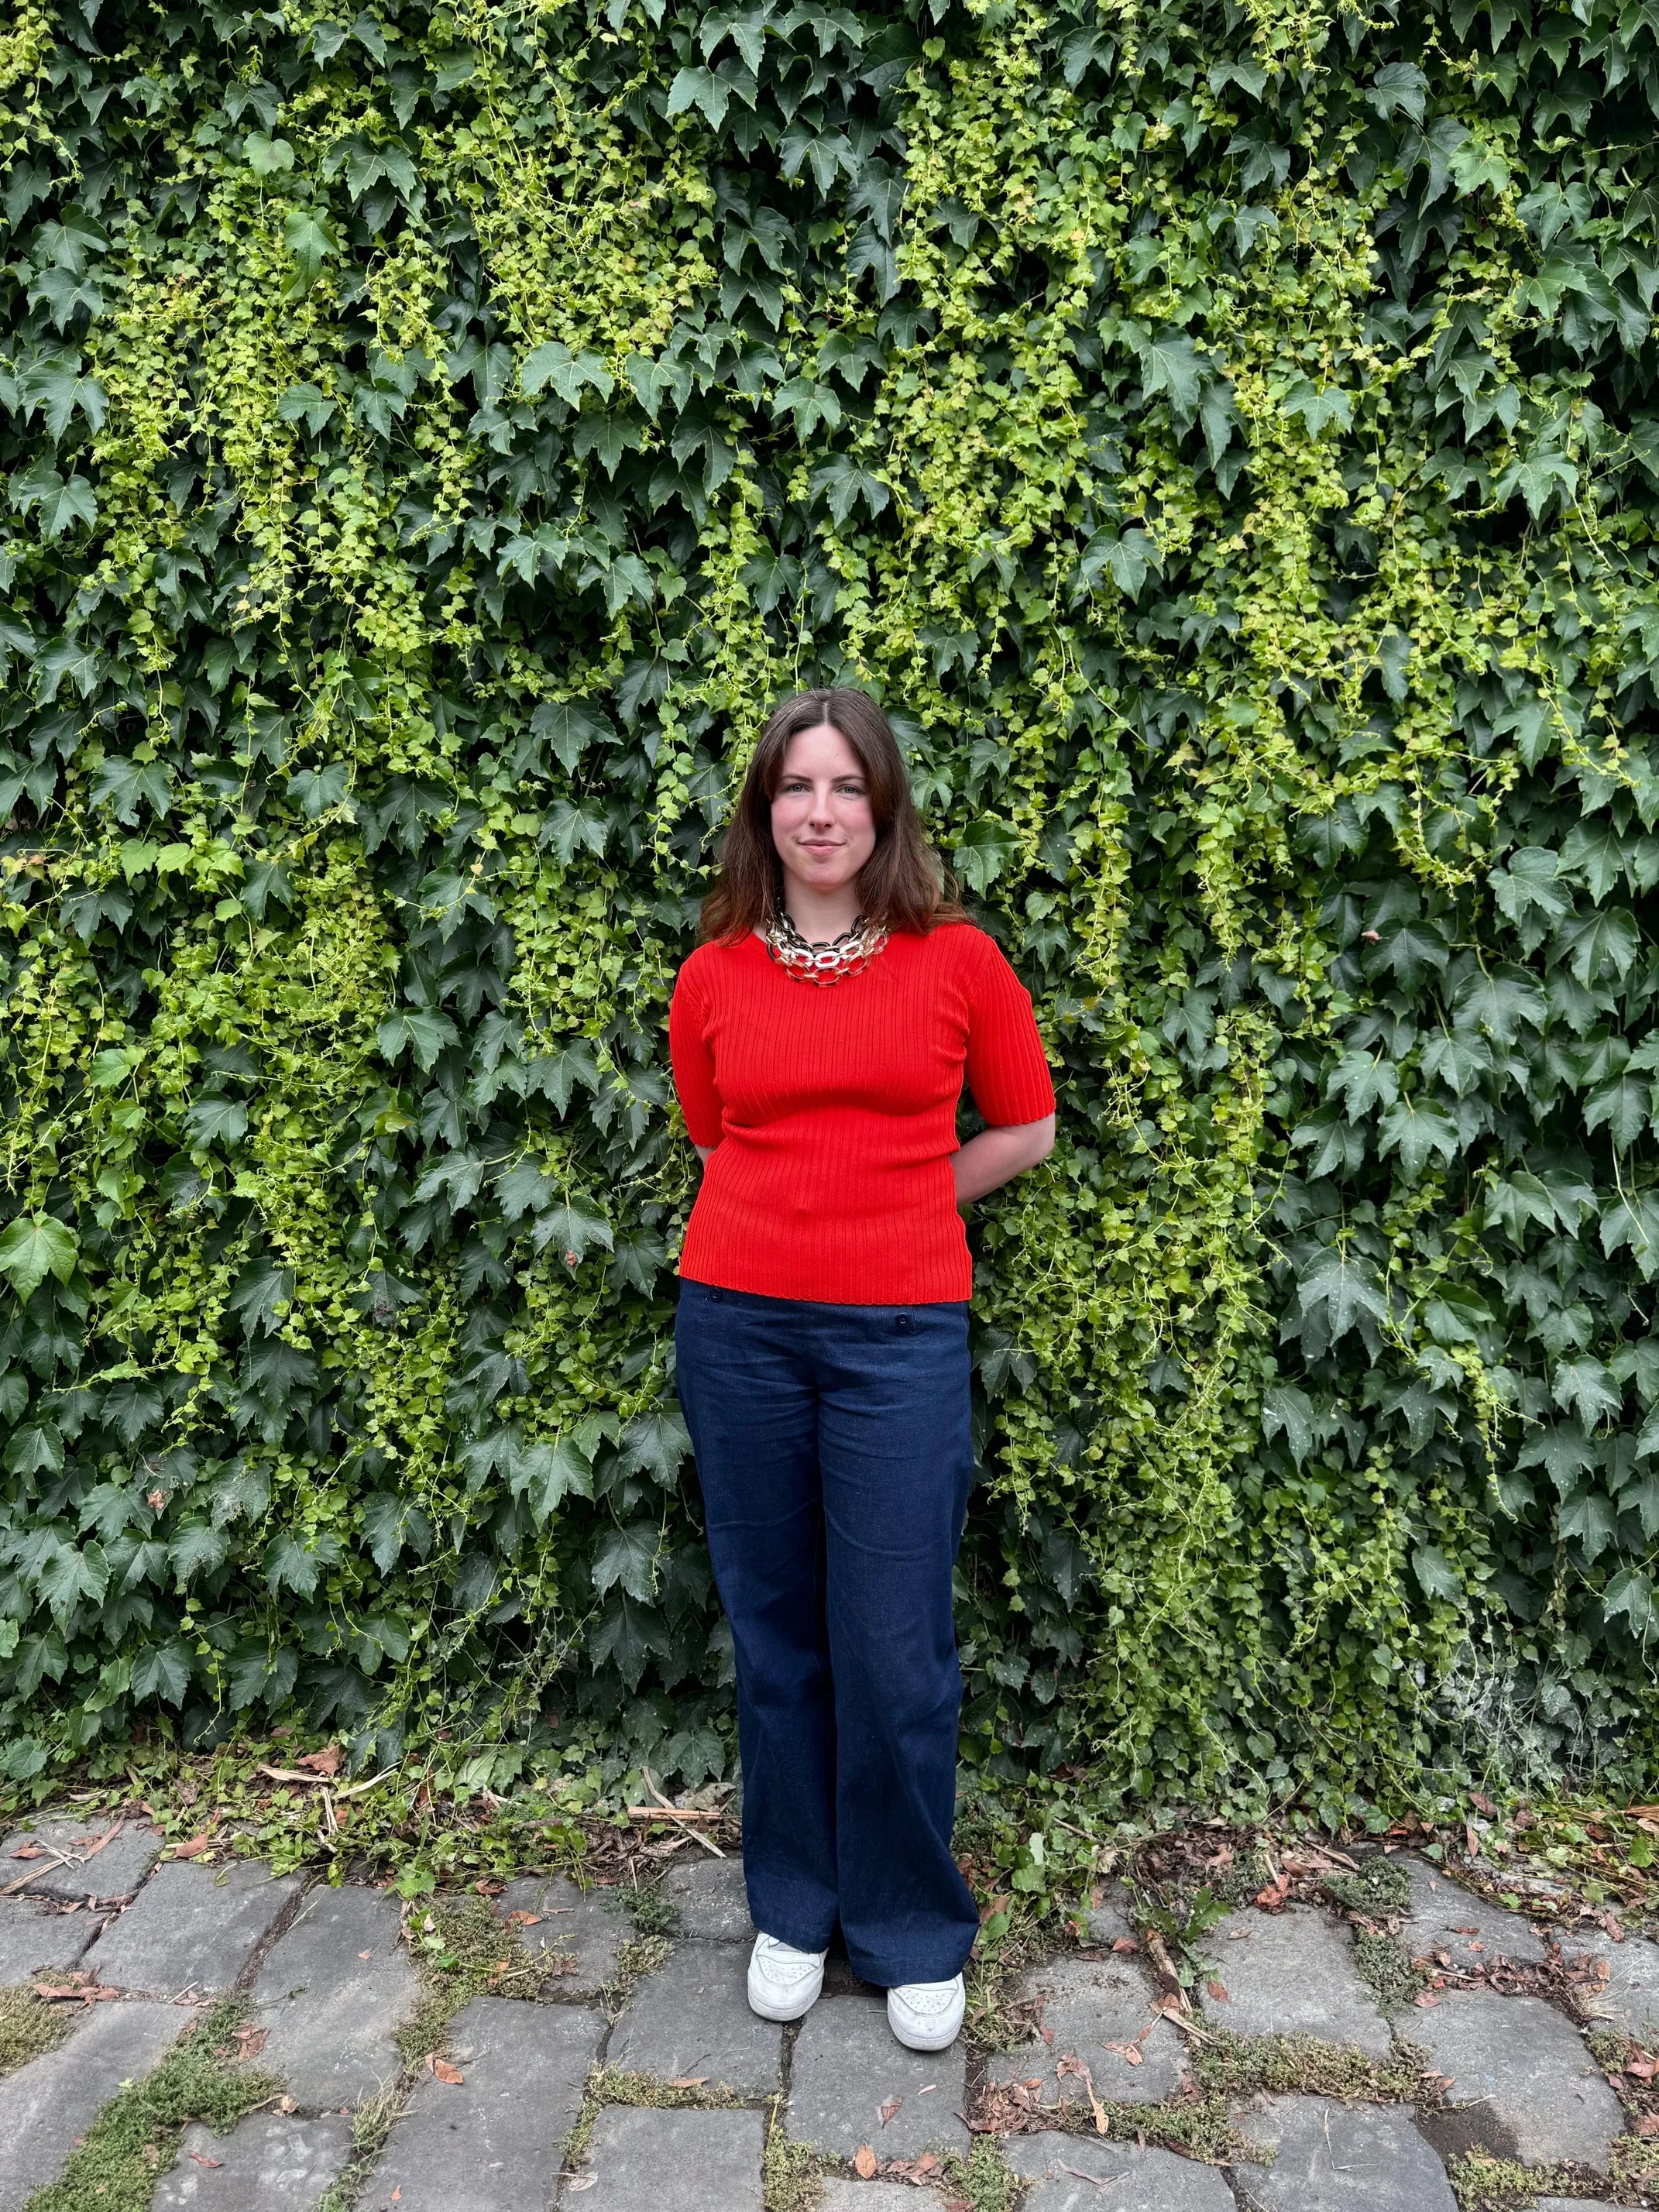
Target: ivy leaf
1564,1450
988,848
569,726
573,1230
1585,1387
1436,1574
1363,1080
1172,364
1622,1106
1630,1592
311,240
655,1443
162,1670
217,1120
1417,1127
629,1556
1527,881
1592,1518
1284,1407
1342,1287
419,1031
61,501
35,1246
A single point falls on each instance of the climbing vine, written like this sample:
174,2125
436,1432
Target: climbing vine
1223,437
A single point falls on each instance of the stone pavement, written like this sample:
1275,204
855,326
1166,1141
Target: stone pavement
629,2075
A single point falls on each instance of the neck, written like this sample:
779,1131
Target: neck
820,915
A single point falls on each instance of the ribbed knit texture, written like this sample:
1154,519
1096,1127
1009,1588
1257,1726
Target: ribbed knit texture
833,1111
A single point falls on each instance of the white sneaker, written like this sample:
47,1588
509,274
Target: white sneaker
783,1983
926,2015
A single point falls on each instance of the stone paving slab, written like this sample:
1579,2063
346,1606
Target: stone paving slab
191,1927
47,2105
1080,2173
332,1994
1629,1999
574,1929
494,2143
1530,2088
690,2021
644,2161
1293,1973
266,2164
116,1869
32,1936
848,2064
711,1899
1471,1932
1089,2006
1332,2157
1111,1919
873,2197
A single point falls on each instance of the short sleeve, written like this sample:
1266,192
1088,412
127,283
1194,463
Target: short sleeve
1007,1070
693,1057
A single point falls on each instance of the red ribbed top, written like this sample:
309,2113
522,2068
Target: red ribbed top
834,1110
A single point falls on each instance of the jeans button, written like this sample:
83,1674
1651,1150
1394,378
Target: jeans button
901,1323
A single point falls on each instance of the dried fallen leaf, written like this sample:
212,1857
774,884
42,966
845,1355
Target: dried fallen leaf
889,2109
1425,1998
365,1955
29,1851
1131,2051
688,2081
326,1761
1127,1945
194,1847
1218,1990
1648,2124
442,2071
202,2159
864,2163
252,2040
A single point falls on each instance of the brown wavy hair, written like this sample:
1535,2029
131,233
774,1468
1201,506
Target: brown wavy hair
902,885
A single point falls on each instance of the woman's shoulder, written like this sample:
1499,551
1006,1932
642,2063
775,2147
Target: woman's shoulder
960,945
714,960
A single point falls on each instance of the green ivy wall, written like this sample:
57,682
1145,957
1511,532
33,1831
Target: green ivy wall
431,438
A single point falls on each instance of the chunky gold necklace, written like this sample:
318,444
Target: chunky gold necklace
829,960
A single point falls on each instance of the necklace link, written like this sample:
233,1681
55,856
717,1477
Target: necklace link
826,960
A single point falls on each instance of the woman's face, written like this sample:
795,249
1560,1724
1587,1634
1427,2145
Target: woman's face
821,824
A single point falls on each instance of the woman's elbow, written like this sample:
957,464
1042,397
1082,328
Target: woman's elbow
1043,1140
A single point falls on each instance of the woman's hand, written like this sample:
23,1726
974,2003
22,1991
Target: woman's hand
995,1156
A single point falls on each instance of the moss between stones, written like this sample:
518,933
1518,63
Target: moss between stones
114,2166
1388,1971
29,2026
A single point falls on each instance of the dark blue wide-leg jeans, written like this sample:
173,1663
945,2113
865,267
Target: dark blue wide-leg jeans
834,1454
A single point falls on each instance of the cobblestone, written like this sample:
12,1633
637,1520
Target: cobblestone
711,1900
71,1871
32,1935
266,2164
47,2103
1076,2175
690,2021
1523,2081
1629,1999
191,1927
573,1929
645,2160
849,2068
1293,1973
1469,1931
332,1994
492,2142
1333,2157
1095,2012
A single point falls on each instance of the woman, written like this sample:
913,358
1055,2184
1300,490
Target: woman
820,1035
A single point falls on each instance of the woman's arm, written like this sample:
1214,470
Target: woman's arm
704,1152
995,1156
